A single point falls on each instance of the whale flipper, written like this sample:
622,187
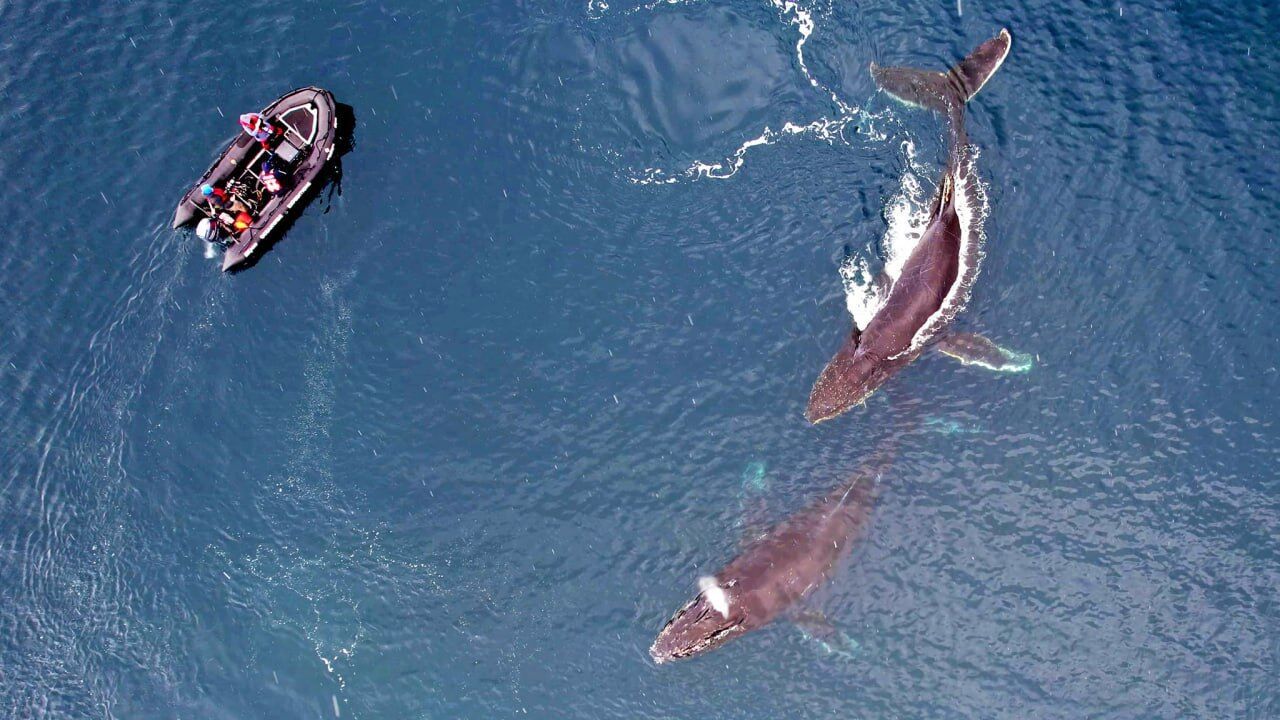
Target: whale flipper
752,520
944,92
972,349
948,426
816,628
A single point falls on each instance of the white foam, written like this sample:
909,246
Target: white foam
596,9
714,594
828,130
863,296
907,215
825,129
971,209
804,25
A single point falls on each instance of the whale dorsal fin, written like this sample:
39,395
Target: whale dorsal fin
973,349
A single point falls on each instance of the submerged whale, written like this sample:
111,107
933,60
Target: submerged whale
935,280
775,571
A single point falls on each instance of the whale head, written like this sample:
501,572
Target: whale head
847,380
705,623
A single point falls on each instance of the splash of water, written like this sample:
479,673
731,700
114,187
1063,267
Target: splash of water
907,215
971,209
596,9
827,130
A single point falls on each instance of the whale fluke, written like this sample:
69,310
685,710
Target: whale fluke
945,92
971,349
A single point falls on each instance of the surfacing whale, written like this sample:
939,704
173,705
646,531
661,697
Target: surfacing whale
778,569
935,280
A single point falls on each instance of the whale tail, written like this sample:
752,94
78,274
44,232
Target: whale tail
945,92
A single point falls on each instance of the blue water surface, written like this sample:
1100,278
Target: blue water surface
461,442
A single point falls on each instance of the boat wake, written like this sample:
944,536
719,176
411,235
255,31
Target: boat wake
73,501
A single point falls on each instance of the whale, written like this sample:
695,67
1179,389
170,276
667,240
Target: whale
776,570
934,283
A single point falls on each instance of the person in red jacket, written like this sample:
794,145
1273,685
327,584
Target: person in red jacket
260,128
227,209
217,197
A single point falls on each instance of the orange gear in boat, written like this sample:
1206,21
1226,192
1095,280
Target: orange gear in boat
243,221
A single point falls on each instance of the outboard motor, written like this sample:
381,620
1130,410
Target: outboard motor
207,229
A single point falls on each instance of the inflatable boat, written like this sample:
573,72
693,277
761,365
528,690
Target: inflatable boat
255,198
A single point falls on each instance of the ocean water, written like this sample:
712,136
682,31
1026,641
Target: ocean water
459,444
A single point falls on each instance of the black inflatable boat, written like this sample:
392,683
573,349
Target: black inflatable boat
307,132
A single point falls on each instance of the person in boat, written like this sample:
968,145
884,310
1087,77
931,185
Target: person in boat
234,224
228,210
220,199
217,197
235,196
272,179
260,129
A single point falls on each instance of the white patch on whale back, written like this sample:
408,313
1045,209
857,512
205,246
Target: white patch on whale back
714,594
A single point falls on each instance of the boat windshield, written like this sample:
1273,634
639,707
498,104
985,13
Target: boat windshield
301,123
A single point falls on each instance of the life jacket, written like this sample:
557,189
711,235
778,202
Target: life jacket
270,182
243,221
